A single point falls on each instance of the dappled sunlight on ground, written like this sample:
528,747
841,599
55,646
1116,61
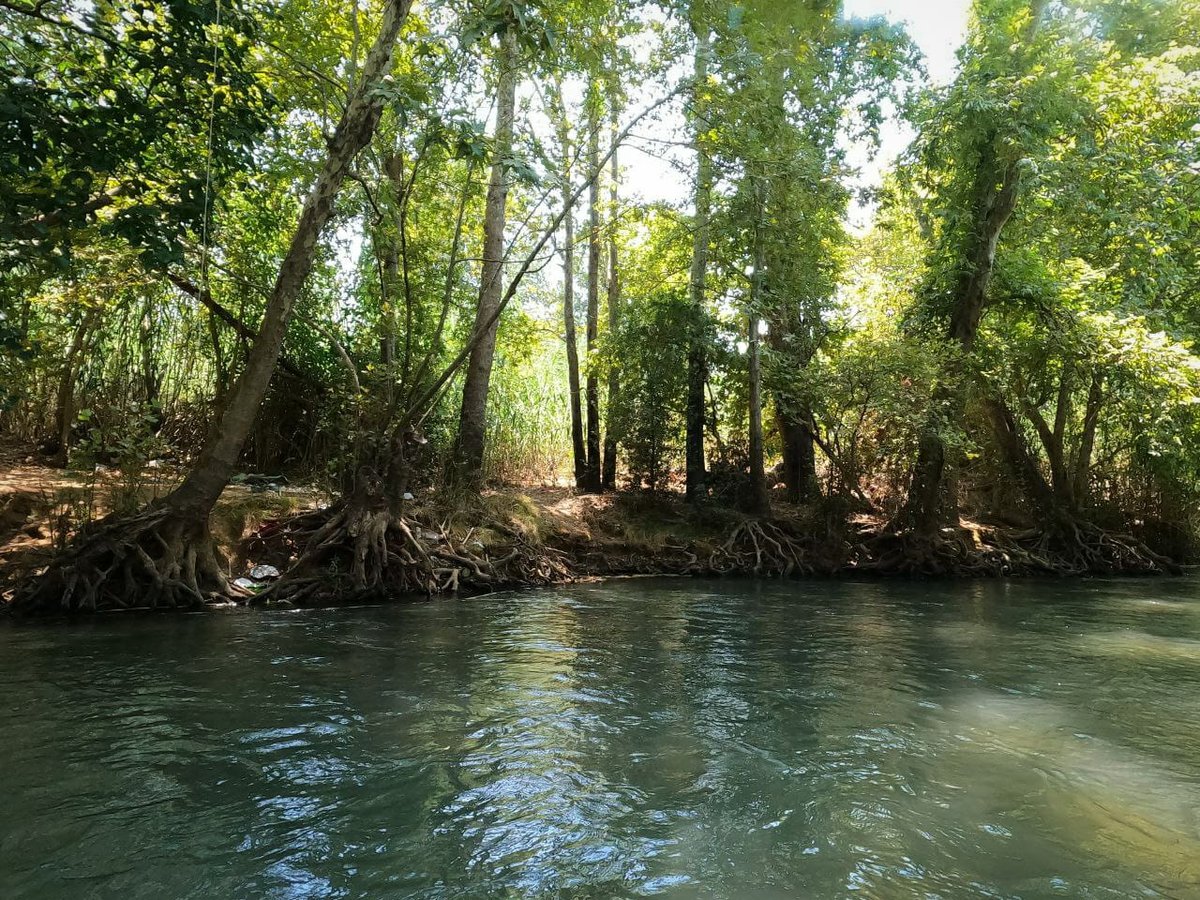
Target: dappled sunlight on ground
40,506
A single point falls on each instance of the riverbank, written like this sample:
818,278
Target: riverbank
525,537
551,535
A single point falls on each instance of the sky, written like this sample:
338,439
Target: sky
937,26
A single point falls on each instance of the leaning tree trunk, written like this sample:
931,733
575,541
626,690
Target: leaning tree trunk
165,555
595,263
472,424
696,471
1017,456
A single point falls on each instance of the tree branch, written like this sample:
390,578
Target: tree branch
206,299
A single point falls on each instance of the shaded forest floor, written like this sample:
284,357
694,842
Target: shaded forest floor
547,535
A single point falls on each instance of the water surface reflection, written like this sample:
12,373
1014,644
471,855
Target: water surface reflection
673,738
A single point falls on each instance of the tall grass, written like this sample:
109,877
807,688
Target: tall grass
529,434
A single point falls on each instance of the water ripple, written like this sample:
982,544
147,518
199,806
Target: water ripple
639,738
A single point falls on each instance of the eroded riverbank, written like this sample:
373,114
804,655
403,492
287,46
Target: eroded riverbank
515,538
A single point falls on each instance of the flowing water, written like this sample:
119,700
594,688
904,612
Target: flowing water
631,738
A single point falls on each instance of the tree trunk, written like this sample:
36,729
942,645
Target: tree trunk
204,483
220,373
578,450
799,453
64,406
1054,441
1021,462
793,420
925,507
932,495
420,403
151,379
609,475
364,543
995,203
759,496
595,262
472,428
219,312
696,471
1064,484
389,277
759,501
1087,438
929,501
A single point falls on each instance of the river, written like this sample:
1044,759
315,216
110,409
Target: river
628,738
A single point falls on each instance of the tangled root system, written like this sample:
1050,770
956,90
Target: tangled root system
363,551
159,558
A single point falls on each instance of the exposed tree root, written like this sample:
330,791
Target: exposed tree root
358,551
1066,546
158,558
962,552
369,551
761,547
1082,548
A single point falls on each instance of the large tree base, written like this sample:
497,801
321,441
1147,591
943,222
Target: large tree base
159,558
368,551
957,552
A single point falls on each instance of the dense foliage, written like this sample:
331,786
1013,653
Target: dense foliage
1013,337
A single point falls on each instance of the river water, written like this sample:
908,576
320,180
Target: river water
631,738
